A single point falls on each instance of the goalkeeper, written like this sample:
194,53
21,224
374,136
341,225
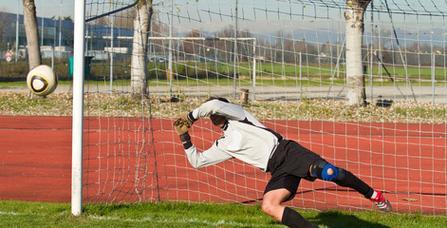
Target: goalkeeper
248,140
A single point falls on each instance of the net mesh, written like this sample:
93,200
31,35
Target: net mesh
290,56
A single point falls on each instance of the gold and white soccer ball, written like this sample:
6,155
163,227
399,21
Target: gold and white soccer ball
41,80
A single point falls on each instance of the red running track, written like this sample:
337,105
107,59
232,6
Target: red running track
128,159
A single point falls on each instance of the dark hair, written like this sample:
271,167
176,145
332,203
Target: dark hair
217,119
218,98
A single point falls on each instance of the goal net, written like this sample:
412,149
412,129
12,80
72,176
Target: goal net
289,57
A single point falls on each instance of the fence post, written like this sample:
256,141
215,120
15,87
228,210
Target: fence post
433,76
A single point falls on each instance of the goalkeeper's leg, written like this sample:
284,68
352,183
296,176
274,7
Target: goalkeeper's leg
328,172
281,189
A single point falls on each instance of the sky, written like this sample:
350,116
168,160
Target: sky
222,12
49,8
45,8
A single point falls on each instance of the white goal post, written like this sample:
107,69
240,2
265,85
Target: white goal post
78,111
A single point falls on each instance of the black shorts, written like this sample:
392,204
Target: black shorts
290,162
288,182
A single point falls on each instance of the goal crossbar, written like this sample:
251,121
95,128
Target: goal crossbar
184,38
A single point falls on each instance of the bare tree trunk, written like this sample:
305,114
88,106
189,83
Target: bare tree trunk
138,71
354,15
32,33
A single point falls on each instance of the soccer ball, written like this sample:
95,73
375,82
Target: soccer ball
41,80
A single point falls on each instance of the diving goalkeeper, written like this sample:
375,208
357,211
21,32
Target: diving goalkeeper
248,140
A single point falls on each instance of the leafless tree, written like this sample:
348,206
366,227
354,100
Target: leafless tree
142,22
32,33
354,15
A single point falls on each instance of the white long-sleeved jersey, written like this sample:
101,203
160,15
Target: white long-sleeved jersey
245,138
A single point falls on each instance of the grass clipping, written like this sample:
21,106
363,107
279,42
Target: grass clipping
124,105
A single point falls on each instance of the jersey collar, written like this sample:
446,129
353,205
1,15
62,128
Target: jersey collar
225,125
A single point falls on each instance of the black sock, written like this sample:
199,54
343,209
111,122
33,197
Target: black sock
293,219
351,181
342,177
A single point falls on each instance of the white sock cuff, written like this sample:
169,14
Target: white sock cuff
374,195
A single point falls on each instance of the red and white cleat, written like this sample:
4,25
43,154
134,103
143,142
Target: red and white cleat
382,203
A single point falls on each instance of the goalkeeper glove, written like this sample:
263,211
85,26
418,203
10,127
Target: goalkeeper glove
181,125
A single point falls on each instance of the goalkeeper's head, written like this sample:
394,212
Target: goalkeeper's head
218,120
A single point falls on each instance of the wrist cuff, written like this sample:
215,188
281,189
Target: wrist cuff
191,117
186,140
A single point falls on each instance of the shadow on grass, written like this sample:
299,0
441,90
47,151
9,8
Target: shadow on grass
335,219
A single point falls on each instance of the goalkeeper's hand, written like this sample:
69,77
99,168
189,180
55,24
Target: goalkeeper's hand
181,125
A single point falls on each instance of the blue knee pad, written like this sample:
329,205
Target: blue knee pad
324,172
320,170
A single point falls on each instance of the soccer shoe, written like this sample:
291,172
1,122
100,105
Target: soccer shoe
382,203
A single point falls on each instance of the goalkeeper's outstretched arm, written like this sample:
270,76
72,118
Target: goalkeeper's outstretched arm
196,158
217,107
206,158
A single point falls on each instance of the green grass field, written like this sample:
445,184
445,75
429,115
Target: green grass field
194,73
32,214
192,82
208,70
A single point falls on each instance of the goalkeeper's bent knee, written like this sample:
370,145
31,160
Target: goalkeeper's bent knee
186,140
326,171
